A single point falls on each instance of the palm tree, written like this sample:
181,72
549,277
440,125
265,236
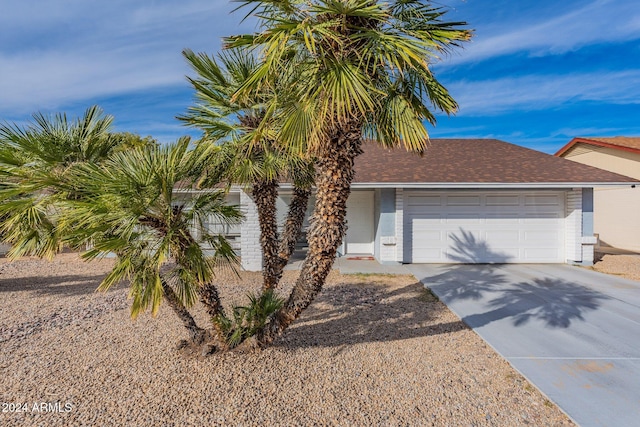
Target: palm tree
363,70
72,183
247,152
33,161
127,205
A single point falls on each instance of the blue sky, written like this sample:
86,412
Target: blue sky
537,73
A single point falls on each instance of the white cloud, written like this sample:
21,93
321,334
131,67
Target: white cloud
52,53
600,21
535,92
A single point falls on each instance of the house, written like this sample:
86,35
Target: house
617,210
463,201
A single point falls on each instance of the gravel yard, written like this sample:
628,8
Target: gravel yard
627,266
372,350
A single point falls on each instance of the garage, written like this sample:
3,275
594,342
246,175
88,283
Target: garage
484,226
462,201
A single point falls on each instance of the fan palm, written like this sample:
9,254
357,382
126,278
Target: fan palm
363,70
247,152
127,205
33,160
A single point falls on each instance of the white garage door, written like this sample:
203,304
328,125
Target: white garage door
484,227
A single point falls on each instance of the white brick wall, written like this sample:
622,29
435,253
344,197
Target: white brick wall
399,248
388,251
573,226
588,254
250,235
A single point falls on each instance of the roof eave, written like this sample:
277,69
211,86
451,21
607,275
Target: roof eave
588,141
491,185
447,185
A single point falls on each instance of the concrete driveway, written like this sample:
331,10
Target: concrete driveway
572,332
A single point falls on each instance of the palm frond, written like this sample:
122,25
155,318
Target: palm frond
128,205
351,55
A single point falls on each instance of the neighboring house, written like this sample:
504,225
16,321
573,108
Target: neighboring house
617,210
463,201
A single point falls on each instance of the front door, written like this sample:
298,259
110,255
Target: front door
360,223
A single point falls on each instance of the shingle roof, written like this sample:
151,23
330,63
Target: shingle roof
458,161
625,143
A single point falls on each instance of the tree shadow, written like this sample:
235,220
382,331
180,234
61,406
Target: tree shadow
555,302
68,285
470,279
349,314
497,287
467,282
467,249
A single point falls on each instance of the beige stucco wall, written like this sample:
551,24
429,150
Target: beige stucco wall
618,161
616,210
616,217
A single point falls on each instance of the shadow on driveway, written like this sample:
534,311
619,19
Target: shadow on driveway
554,301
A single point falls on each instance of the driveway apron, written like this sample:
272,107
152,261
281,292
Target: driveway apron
574,333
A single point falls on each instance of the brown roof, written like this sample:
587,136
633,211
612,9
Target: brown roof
625,143
453,161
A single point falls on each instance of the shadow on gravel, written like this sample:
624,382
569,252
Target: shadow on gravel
368,312
70,285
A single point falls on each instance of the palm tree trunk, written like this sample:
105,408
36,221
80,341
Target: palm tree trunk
196,333
208,293
292,226
265,194
210,298
333,182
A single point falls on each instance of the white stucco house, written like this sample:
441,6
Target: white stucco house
617,209
463,201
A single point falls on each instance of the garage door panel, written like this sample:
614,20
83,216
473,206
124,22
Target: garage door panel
487,227
499,220
427,216
503,255
434,253
539,236
542,215
502,235
428,232
431,238
454,256
463,200
544,220
425,201
432,223
500,200
547,200
461,218
468,236
539,254
463,245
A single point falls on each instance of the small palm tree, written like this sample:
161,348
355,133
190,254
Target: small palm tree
247,153
363,70
127,205
33,161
